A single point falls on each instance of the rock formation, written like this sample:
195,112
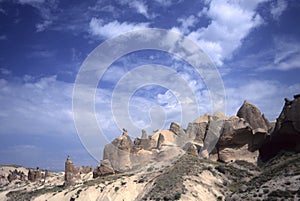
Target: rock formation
34,175
72,173
235,141
103,169
211,136
286,134
118,152
254,118
123,154
16,175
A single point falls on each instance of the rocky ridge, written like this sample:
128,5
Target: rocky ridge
248,162
237,137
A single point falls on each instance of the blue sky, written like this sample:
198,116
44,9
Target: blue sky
255,46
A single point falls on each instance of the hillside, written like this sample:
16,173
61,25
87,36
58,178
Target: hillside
181,164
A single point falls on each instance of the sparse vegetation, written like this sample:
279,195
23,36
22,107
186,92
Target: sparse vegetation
24,195
169,185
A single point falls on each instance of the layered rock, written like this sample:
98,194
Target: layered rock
286,134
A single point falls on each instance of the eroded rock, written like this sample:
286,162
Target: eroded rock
286,134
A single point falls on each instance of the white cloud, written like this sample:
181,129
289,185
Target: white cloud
187,23
46,9
114,28
3,37
167,3
5,71
285,55
278,8
140,7
231,22
36,107
30,1
42,26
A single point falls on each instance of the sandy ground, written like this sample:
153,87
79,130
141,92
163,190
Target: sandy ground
202,187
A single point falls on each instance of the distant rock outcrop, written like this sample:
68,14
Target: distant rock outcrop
16,175
286,134
72,173
35,175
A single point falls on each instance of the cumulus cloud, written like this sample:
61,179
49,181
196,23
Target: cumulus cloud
231,22
114,28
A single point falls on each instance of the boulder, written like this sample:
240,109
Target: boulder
192,149
103,169
286,134
176,129
254,118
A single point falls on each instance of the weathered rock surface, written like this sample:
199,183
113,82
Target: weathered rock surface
254,117
72,173
103,169
118,152
235,137
197,131
34,175
286,134
124,154
192,149
16,175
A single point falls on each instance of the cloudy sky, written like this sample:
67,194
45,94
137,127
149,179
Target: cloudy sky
255,46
